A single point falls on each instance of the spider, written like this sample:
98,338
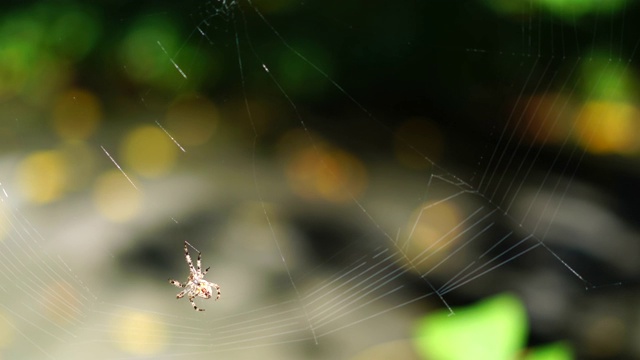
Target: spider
195,285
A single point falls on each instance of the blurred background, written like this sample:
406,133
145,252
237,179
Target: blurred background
366,180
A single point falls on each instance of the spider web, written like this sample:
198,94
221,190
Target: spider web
338,201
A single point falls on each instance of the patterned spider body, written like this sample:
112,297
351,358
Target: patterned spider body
196,285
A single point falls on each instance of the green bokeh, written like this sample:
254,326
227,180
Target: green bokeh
142,54
74,32
298,76
569,10
608,79
493,329
38,42
555,351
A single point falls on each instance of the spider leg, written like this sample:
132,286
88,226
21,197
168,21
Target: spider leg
188,258
206,270
217,289
181,294
198,262
194,304
176,283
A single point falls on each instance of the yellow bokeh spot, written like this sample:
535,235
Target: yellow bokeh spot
115,197
42,176
76,115
191,120
433,231
149,151
325,172
418,142
139,333
604,127
6,331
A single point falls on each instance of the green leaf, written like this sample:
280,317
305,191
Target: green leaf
492,329
555,351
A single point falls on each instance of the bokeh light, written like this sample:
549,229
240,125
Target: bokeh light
495,328
321,171
75,77
149,151
192,120
64,35
297,76
139,333
43,176
76,114
604,121
571,8
37,46
605,127
142,52
433,230
605,79
566,9
115,198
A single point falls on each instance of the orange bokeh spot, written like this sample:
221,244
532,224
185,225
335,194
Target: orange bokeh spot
321,171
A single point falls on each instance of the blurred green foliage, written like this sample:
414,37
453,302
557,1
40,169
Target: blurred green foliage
493,329
569,9
37,44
